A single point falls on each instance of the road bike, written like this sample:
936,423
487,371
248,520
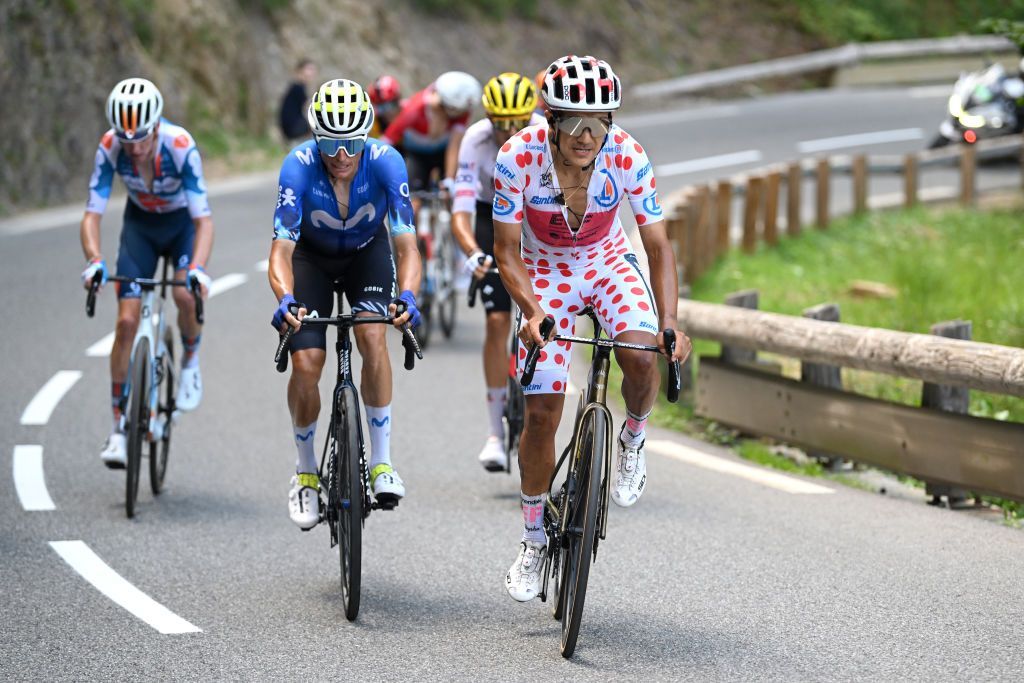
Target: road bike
439,253
515,408
344,475
576,514
148,410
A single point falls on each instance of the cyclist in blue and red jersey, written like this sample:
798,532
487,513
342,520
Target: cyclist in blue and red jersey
167,214
337,196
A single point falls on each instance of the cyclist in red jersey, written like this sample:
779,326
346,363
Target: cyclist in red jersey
386,97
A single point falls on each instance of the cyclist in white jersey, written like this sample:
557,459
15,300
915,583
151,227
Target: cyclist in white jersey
167,213
560,248
509,100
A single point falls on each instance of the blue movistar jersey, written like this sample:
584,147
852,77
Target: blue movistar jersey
177,174
307,208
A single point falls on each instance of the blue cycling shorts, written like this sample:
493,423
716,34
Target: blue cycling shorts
145,237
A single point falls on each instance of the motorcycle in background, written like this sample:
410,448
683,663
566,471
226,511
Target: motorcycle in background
984,104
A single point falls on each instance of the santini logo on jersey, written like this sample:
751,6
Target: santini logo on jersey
543,201
504,170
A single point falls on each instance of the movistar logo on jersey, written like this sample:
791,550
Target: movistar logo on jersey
542,201
502,205
504,170
609,194
652,206
322,219
305,155
377,151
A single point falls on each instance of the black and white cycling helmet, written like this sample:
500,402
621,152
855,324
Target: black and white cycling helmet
581,84
458,90
340,110
133,108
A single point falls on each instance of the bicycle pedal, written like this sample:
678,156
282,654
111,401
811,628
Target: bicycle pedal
386,502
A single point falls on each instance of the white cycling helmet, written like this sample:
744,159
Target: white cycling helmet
341,110
458,90
133,108
581,84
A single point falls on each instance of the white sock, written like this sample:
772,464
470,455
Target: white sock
496,410
379,420
304,437
533,518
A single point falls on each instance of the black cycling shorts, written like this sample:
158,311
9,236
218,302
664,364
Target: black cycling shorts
367,277
420,166
145,237
493,294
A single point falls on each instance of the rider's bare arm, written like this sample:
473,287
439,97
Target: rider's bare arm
203,244
662,263
515,277
451,154
90,233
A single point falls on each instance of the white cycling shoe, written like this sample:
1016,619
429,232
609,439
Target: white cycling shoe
631,469
115,452
388,487
524,579
190,391
493,456
304,501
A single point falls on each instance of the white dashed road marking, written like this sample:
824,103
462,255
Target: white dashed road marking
29,481
858,139
97,572
775,480
707,163
46,399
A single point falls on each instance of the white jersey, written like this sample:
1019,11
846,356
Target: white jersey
475,180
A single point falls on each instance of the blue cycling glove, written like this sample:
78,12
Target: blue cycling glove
407,299
282,309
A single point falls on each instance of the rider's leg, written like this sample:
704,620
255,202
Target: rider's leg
640,381
120,355
304,404
191,330
496,368
375,386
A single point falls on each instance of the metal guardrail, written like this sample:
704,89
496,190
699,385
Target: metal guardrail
823,60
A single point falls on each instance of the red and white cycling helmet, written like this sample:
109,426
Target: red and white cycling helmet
458,90
581,84
384,89
133,108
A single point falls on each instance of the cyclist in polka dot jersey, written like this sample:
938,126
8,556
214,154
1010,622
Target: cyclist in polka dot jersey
560,248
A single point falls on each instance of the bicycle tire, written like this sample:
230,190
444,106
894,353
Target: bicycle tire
583,508
138,425
349,498
447,305
514,410
159,450
426,302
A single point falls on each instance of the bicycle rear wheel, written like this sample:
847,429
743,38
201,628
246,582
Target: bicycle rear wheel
138,425
159,448
349,497
445,270
581,531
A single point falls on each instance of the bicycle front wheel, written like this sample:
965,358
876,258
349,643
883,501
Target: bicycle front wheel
582,504
446,300
427,294
349,497
138,425
159,448
514,410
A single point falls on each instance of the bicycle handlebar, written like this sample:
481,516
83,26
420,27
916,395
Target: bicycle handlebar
475,284
674,384
145,283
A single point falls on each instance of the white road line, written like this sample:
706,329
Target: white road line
857,139
692,456
29,481
46,399
102,348
263,266
707,163
226,282
94,570
678,115
931,91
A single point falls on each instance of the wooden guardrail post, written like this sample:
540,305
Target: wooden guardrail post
690,239
910,180
746,298
951,400
752,203
968,164
701,217
771,207
794,183
822,375
723,215
675,238
686,371
821,205
860,183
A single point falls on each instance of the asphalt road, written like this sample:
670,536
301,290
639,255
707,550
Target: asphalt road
716,574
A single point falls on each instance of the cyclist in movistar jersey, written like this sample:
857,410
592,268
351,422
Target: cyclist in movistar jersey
167,214
509,100
336,197
560,247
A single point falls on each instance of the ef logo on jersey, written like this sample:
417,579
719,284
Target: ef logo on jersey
609,194
502,205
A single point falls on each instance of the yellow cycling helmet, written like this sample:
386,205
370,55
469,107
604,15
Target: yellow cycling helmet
509,94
